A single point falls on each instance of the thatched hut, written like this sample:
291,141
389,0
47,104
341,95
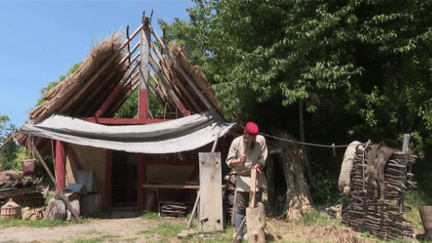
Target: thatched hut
77,125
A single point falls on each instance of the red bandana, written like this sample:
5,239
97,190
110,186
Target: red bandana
251,129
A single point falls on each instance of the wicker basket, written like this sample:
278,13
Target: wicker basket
29,166
11,210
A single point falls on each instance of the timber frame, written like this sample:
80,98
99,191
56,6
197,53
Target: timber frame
96,95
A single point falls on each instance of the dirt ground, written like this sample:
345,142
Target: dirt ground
128,230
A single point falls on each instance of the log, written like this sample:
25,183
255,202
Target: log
256,222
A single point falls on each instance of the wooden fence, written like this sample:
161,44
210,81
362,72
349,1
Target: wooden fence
382,217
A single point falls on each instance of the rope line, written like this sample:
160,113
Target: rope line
304,143
333,146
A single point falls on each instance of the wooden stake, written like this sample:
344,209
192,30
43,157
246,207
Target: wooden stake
7,140
62,196
194,210
238,230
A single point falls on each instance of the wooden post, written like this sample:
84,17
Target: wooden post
144,70
405,148
60,164
141,180
108,177
60,191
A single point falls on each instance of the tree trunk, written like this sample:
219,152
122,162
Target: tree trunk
298,200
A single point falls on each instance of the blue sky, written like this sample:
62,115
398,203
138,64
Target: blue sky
41,40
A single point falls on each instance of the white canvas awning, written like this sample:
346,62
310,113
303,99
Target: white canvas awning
182,134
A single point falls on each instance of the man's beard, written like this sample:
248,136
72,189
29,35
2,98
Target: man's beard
249,144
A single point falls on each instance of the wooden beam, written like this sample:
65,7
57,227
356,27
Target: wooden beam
198,91
7,140
183,106
173,96
181,86
114,93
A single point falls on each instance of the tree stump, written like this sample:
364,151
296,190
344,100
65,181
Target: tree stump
255,220
56,209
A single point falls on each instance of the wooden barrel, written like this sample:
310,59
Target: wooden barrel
426,216
11,210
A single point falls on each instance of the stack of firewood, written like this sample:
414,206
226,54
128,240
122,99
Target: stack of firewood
22,190
363,212
175,209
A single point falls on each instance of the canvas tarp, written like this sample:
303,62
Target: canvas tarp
182,134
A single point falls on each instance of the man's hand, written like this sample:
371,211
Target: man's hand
258,167
242,159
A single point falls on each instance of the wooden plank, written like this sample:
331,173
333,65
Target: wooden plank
211,212
167,186
252,189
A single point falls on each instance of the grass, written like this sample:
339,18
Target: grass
315,217
165,229
105,238
151,215
35,223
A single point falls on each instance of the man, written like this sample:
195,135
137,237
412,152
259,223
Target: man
247,152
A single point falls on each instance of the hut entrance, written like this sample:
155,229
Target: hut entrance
124,179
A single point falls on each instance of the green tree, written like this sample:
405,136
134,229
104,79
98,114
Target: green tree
366,61
8,151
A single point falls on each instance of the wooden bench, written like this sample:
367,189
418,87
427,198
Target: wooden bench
158,187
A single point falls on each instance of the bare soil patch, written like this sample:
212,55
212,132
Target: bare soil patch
129,230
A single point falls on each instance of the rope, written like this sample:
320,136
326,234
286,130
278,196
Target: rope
333,146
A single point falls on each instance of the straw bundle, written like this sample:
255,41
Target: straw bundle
183,58
101,70
57,97
10,175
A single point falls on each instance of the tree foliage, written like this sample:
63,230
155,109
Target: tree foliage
8,151
366,61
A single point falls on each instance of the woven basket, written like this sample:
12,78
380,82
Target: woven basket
11,210
29,166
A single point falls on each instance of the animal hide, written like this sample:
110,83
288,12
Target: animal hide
376,158
344,182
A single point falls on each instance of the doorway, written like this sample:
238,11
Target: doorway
124,175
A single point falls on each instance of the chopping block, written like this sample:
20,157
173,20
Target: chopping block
255,214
